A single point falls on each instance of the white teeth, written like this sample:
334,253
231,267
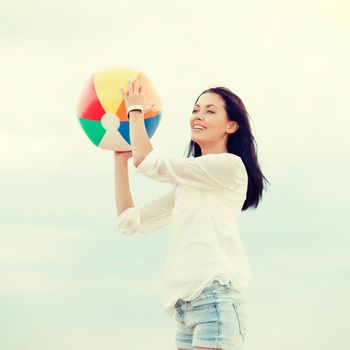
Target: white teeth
198,127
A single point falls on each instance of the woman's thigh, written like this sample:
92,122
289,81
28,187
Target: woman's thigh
215,319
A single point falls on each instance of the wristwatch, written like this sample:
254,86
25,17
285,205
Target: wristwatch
132,108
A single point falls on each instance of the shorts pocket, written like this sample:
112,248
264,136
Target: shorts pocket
240,318
178,315
177,318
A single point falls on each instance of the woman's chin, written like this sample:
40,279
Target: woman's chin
197,140
195,137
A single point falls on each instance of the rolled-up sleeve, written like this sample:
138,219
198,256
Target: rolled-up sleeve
209,171
148,217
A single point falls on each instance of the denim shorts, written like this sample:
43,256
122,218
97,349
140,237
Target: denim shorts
215,319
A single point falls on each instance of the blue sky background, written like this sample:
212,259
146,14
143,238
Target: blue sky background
68,279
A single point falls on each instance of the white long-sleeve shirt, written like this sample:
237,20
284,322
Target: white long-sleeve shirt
203,206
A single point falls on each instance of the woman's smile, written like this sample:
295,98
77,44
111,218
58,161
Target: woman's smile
198,130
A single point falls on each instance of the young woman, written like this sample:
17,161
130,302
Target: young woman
206,269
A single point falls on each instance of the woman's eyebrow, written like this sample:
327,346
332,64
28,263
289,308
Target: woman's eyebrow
206,106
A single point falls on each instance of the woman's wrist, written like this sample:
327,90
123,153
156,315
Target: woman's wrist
135,112
121,157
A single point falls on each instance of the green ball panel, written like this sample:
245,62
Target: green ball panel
93,129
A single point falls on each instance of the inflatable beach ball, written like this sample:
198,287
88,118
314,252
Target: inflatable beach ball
102,113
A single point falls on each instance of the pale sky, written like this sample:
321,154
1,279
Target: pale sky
68,279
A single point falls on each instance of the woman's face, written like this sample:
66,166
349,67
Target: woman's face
209,112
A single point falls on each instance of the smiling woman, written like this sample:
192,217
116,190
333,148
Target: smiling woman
220,124
206,269
210,125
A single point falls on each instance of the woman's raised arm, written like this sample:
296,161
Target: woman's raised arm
123,198
143,219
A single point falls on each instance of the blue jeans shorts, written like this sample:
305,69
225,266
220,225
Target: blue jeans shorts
215,319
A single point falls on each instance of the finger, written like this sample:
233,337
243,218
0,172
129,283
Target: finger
123,93
130,87
136,87
142,91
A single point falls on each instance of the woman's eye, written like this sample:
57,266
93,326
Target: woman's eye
196,111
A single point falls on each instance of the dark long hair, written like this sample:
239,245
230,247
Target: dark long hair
241,142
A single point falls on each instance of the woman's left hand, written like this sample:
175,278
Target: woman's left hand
135,97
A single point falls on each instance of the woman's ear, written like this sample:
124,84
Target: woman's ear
233,126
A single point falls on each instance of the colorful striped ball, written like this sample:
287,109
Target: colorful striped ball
101,109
